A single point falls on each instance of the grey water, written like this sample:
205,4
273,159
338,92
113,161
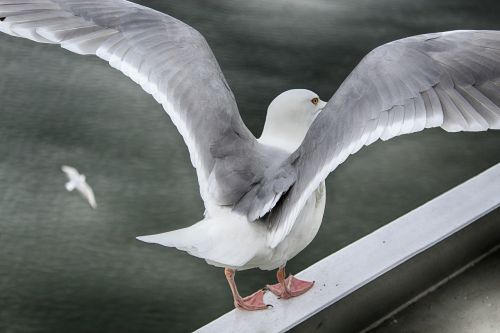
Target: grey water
67,268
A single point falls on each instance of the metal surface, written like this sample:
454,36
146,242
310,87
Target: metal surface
469,302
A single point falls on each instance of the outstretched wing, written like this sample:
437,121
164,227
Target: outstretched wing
450,79
70,171
169,59
88,194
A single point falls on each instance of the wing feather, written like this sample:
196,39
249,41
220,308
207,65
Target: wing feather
169,59
433,108
444,79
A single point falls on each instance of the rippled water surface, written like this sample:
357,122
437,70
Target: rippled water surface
66,268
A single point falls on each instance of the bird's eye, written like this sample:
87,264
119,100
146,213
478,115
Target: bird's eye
315,100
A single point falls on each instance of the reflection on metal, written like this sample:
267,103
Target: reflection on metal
349,279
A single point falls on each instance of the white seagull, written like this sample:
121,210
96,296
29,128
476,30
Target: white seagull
78,181
264,198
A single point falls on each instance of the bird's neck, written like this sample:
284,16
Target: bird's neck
282,133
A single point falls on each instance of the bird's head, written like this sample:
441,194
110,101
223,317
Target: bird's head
289,116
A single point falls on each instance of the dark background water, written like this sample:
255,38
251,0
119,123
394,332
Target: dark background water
66,268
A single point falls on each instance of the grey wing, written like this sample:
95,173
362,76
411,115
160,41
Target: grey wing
169,59
450,79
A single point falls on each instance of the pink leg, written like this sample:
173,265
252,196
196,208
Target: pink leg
289,287
250,303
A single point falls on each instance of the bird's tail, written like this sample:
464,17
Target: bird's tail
223,243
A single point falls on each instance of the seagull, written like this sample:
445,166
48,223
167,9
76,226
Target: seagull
78,181
264,197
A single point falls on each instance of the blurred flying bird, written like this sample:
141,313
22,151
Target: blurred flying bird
78,181
264,198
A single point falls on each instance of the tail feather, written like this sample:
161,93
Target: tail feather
221,243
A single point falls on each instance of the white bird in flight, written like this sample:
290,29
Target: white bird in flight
78,181
264,198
